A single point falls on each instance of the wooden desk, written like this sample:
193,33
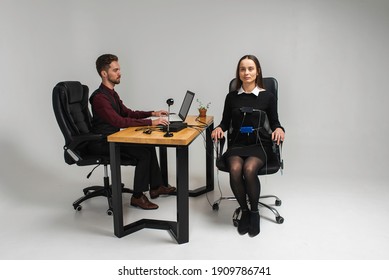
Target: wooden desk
180,141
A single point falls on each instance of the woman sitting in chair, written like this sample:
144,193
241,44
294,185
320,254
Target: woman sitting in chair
251,118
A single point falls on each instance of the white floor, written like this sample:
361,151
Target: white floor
324,219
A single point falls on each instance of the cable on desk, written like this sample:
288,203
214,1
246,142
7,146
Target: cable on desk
148,129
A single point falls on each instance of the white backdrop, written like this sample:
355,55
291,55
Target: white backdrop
330,58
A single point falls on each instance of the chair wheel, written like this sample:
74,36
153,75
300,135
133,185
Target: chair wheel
215,206
77,207
109,212
279,219
278,202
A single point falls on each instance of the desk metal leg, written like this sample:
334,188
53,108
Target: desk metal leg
116,189
182,195
210,166
180,228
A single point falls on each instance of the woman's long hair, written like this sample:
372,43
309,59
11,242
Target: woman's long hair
258,80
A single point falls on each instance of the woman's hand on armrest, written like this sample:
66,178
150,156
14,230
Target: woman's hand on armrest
278,135
217,133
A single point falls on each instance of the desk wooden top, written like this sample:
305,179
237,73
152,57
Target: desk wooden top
181,138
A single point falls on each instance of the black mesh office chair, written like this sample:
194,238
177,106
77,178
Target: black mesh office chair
70,104
274,162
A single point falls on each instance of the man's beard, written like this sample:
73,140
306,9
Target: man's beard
116,81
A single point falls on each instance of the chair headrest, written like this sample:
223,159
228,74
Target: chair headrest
75,91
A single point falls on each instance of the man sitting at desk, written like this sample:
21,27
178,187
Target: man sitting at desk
109,115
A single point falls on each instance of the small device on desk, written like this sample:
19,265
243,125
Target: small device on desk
175,126
169,102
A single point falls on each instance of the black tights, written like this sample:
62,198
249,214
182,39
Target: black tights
244,180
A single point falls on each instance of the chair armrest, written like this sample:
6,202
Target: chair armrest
220,146
220,162
277,149
81,139
89,137
78,141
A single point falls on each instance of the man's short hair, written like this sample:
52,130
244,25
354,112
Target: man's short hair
103,62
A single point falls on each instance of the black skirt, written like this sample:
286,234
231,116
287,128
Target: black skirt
257,150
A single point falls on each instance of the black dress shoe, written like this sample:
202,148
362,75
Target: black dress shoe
254,223
243,225
154,193
143,202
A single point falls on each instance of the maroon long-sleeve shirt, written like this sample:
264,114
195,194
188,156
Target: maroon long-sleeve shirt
119,117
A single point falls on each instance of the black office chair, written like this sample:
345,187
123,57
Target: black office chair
274,162
70,104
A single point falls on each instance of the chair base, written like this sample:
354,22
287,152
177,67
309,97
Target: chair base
95,191
236,217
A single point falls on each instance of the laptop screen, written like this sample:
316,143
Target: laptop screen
186,105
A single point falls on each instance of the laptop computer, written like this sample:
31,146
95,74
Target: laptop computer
184,110
177,120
